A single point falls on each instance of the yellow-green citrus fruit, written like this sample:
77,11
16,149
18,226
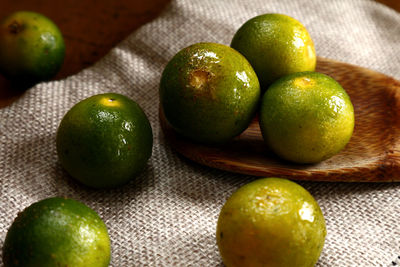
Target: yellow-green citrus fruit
57,232
306,117
275,45
209,93
271,222
104,140
31,47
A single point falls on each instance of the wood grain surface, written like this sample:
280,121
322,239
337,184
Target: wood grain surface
91,28
395,4
372,155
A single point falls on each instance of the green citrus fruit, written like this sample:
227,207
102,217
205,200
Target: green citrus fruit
271,222
275,45
57,232
209,92
104,140
31,47
306,117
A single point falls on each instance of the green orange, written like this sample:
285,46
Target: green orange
57,232
104,140
306,117
275,45
271,222
32,47
209,93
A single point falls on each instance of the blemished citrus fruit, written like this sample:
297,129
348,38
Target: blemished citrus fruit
275,45
104,140
306,117
57,232
209,93
271,222
32,47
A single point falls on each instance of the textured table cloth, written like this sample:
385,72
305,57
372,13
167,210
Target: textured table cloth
167,216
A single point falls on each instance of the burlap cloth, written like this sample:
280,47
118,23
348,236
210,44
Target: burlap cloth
167,216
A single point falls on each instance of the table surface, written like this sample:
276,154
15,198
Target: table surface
91,28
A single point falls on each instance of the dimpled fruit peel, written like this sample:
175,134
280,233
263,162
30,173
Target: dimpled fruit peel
31,47
275,45
57,232
209,93
271,222
104,140
306,117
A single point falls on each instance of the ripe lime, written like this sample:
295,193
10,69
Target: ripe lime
209,92
104,140
57,232
275,45
306,117
31,47
271,222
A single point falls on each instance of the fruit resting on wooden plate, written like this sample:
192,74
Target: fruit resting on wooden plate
306,117
209,93
373,153
275,45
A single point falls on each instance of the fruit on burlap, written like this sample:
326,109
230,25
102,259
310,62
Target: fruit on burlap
270,222
209,93
57,232
104,140
32,47
306,117
275,45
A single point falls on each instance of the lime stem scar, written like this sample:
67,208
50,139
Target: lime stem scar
15,27
198,78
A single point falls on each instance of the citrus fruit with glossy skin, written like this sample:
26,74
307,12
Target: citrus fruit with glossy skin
209,92
275,45
306,117
104,140
31,47
271,222
57,232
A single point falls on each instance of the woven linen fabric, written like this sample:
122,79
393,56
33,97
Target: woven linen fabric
167,216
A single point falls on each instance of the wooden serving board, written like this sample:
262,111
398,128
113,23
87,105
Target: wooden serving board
372,155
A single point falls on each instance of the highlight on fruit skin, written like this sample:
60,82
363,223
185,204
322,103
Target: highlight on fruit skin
32,48
275,45
57,232
209,93
270,222
306,117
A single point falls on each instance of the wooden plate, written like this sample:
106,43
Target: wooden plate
372,155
